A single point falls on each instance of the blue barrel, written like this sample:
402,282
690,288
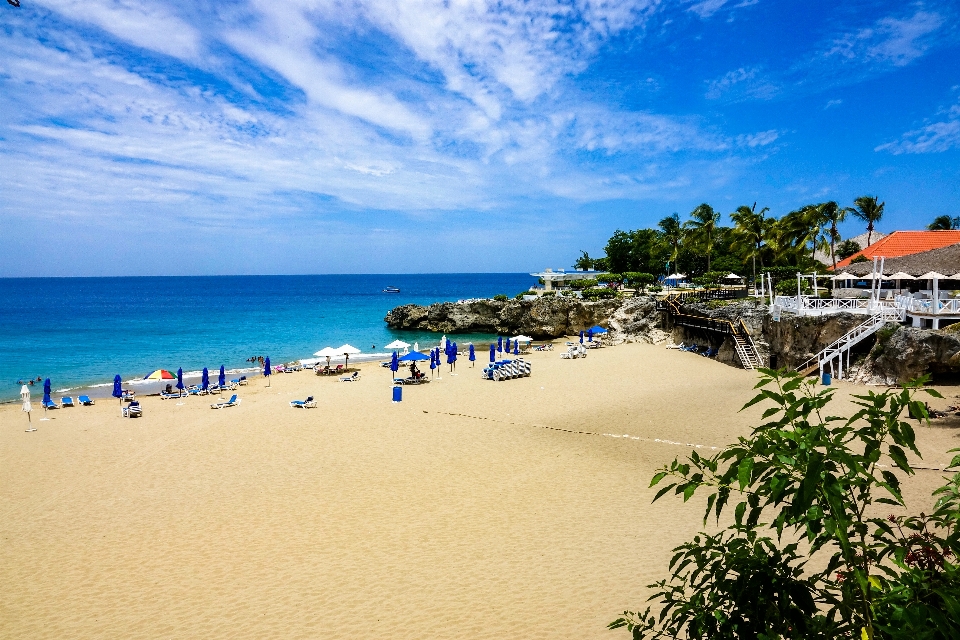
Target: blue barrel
397,393
826,380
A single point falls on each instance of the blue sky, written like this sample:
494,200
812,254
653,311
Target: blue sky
324,136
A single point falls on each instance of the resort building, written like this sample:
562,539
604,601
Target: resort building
562,278
903,243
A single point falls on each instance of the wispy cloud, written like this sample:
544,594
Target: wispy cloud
934,137
740,84
895,41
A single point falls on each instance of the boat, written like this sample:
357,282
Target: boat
391,290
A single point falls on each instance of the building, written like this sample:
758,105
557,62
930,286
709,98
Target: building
562,278
904,243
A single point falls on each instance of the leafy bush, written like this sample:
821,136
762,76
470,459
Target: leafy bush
610,277
656,288
599,293
860,258
502,297
638,280
804,475
520,295
547,294
883,337
586,283
847,248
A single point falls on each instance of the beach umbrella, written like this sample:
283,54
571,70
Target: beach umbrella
347,351
266,369
415,356
598,329
416,346
180,378
205,379
159,374
493,355
581,337
453,355
327,352
25,399
516,348
222,380
46,391
500,344
473,355
433,361
507,349
394,364
398,344
117,390
589,335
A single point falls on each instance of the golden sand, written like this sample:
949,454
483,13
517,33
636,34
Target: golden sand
517,509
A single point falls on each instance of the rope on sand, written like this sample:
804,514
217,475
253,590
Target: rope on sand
625,436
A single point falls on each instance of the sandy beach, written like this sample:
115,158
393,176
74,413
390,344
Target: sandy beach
517,509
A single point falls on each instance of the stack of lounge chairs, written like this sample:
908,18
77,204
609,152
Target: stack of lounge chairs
574,350
506,370
132,410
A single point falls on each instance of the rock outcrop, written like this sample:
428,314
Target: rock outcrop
544,318
903,353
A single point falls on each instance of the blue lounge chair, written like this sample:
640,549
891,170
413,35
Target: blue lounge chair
50,404
309,403
232,402
168,396
66,401
132,410
86,401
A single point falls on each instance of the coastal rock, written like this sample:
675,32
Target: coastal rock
543,318
900,354
795,339
637,320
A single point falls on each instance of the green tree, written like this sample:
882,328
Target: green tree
867,208
944,223
672,234
583,262
637,250
752,229
703,225
639,280
805,474
847,248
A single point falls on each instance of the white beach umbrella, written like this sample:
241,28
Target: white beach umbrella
347,351
955,276
843,275
25,398
733,276
900,275
932,275
522,338
327,352
416,346
398,344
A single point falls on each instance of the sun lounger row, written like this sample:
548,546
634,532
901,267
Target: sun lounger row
574,350
67,401
506,370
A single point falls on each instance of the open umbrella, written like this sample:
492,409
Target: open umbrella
347,351
180,378
266,369
327,352
415,356
159,374
473,355
398,344
597,329
394,364
222,380
205,379
117,388
493,355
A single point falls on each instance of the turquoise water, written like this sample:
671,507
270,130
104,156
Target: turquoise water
82,331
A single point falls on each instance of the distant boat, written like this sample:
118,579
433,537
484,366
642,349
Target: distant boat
391,290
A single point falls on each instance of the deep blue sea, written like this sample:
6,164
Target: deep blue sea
82,331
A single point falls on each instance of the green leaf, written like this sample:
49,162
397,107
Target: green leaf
745,472
657,478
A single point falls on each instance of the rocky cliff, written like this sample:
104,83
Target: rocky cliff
544,318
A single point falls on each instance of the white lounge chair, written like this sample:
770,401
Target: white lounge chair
351,378
132,410
309,403
232,402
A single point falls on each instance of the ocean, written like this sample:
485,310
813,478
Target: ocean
80,332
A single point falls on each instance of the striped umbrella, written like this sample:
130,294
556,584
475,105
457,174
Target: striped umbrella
159,374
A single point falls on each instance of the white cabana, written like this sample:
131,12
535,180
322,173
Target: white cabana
932,275
732,276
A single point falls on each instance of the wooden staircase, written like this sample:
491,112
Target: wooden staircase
742,340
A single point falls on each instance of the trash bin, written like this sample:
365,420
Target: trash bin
826,380
397,393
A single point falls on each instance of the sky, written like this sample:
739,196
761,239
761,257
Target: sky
141,137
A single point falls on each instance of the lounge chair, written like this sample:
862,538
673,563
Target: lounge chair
338,370
351,378
167,395
242,380
50,404
66,401
127,395
309,403
232,402
86,401
132,410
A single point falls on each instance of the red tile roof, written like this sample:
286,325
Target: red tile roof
905,243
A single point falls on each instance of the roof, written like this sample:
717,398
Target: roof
945,260
904,243
861,240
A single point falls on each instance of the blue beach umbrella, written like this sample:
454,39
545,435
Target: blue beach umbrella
415,356
394,364
508,346
597,329
180,378
589,335
266,369
516,348
581,337
46,391
433,361
117,390
473,355
222,381
493,355
205,380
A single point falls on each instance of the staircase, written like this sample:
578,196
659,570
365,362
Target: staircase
841,346
742,340
746,349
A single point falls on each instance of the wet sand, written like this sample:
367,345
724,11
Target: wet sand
517,509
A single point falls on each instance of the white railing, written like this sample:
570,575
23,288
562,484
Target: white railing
931,307
841,346
814,306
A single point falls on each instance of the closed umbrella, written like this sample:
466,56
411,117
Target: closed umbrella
516,348
180,378
589,335
394,364
433,361
581,337
222,380
46,391
205,379
266,369
117,390
493,355
25,399
508,346
473,356
499,344
453,354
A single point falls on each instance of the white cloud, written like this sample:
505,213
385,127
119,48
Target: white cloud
935,137
706,8
742,83
760,139
889,41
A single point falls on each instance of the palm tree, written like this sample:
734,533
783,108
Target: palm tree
702,225
802,227
944,223
671,234
870,211
834,214
752,228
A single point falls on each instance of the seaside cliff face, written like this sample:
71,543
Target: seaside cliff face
894,354
545,318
